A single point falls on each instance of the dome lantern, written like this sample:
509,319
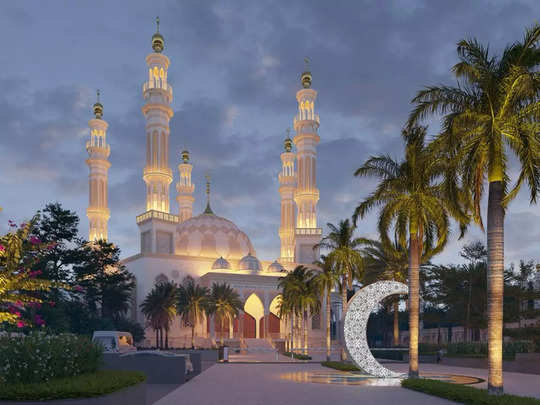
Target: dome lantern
275,267
221,264
249,262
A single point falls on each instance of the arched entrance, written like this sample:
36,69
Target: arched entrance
274,321
253,314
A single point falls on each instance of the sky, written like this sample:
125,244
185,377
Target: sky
235,69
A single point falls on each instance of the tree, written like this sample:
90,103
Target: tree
346,256
491,113
386,263
19,285
417,204
299,296
102,281
225,304
326,280
193,304
159,308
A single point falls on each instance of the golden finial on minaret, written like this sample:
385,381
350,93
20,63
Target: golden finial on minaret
288,141
158,42
98,107
208,210
306,76
185,156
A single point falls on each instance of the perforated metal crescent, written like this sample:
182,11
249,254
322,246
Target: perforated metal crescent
355,325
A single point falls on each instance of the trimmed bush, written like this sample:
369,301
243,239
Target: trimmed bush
339,365
389,354
83,386
298,356
39,358
480,349
464,394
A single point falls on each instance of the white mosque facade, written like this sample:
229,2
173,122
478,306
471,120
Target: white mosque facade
175,242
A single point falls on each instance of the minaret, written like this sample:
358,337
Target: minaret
306,125
185,189
287,184
98,153
157,111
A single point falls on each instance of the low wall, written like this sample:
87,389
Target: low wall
528,363
206,355
134,395
158,369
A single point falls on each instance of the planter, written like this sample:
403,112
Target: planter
134,395
158,369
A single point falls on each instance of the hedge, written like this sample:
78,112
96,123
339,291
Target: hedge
39,357
464,394
82,386
339,365
298,356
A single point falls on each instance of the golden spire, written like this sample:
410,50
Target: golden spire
306,76
208,210
158,42
98,107
288,141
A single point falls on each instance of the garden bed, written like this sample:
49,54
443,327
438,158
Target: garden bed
464,394
340,365
83,387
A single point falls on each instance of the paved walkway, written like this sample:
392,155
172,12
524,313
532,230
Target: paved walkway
260,384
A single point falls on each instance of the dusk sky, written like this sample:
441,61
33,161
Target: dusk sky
235,69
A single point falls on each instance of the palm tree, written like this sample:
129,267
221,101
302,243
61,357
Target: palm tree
159,307
299,296
491,113
386,263
193,304
346,256
225,303
415,202
326,280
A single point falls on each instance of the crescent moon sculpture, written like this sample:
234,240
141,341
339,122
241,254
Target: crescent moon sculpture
355,325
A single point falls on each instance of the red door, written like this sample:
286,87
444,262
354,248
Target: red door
274,322
249,326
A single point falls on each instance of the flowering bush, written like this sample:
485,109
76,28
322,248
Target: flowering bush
39,357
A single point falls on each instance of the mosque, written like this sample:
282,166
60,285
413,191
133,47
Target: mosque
175,243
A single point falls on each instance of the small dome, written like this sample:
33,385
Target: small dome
306,79
288,144
185,156
221,264
275,267
249,262
158,42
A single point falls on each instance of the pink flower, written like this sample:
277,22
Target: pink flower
34,240
52,303
17,314
78,288
2,248
39,320
20,324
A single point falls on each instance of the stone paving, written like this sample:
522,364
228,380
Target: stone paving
257,379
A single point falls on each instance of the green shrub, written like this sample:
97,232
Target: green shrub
464,394
83,386
38,357
298,356
339,365
428,348
478,349
389,354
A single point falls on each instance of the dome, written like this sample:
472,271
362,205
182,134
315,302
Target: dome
221,264
275,267
249,262
209,235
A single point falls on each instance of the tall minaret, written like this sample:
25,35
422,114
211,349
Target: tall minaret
287,184
98,152
185,189
306,125
157,111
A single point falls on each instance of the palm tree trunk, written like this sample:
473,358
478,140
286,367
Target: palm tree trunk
305,333
193,335
396,322
292,333
342,320
166,338
157,338
161,338
328,314
495,246
414,303
222,329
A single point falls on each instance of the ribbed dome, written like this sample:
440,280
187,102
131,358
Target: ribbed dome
275,267
208,235
221,264
249,262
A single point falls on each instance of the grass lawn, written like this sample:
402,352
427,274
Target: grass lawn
340,365
464,394
81,386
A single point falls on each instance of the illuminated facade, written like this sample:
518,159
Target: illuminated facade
210,248
98,163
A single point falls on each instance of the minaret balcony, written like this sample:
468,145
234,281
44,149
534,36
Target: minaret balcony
309,231
94,149
307,117
152,214
164,88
